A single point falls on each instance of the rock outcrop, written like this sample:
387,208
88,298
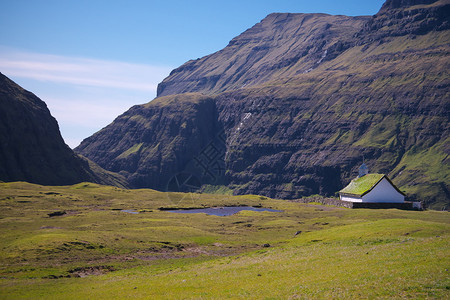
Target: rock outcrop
408,17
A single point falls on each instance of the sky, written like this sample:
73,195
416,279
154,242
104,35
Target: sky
91,60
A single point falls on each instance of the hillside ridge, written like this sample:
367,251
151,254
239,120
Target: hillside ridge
32,148
281,45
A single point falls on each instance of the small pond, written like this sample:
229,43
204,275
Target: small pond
130,211
221,211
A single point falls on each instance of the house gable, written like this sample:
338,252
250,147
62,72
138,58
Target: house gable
384,191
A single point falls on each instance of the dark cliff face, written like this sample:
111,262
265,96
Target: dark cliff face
402,4
298,101
31,146
311,137
406,17
151,143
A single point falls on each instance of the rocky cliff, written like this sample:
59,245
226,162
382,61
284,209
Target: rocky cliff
292,106
31,146
151,143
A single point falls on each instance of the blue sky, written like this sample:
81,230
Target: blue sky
92,60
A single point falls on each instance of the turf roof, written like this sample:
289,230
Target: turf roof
360,185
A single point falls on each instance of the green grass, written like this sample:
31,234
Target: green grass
380,135
360,185
96,251
429,170
135,148
216,189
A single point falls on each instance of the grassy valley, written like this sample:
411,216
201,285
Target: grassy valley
77,242
289,109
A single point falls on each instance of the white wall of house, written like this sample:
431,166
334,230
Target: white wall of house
350,198
383,192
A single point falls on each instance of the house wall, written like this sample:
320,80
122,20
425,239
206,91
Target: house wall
350,199
383,192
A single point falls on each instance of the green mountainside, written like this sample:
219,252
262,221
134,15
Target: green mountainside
31,146
291,106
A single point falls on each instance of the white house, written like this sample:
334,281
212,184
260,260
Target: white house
374,188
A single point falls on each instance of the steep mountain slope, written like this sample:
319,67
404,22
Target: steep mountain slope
281,45
150,143
31,146
321,95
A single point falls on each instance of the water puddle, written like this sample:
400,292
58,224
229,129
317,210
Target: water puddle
222,211
130,211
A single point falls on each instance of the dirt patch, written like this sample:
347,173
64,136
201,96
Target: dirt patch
50,227
83,272
188,251
198,251
89,271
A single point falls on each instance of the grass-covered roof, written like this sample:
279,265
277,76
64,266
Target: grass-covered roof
360,185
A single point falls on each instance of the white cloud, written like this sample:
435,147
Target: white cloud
81,71
88,113
83,94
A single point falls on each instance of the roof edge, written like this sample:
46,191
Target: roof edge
395,187
349,194
373,186
389,180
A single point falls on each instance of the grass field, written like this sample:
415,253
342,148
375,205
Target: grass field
75,242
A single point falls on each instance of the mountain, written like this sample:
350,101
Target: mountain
31,147
292,106
281,45
150,143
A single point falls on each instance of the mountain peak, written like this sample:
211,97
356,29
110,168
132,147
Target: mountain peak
281,45
407,17
399,4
